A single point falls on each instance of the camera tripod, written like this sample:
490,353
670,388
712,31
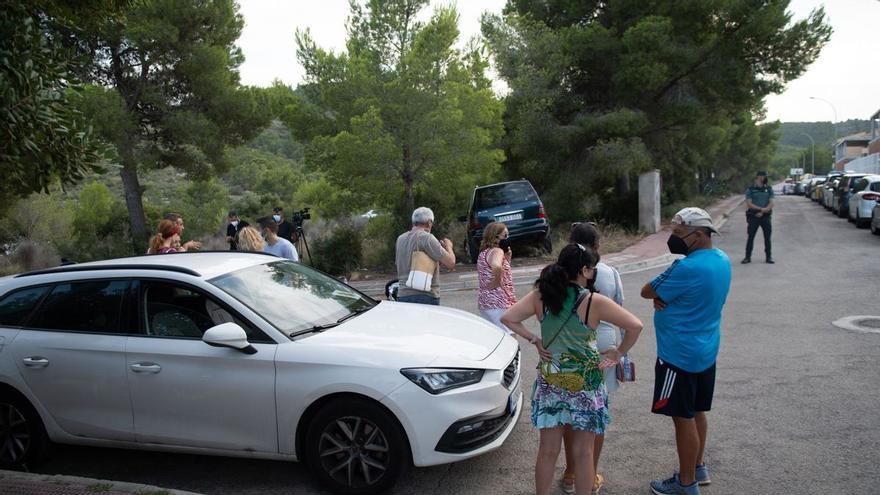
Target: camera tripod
301,243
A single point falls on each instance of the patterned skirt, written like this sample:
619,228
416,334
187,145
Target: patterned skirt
585,410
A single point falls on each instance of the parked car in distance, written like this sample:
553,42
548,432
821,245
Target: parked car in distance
828,189
865,194
815,189
788,186
842,193
248,355
516,203
808,188
800,186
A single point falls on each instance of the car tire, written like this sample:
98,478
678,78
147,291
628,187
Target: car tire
874,230
356,447
547,244
473,252
23,439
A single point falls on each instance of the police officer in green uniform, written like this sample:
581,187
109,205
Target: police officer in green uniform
759,204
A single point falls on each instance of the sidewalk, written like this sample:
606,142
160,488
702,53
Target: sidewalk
650,252
20,483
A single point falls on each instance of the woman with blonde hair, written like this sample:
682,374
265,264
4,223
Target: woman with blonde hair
249,239
497,292
168,233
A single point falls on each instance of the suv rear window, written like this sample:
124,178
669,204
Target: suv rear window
502,194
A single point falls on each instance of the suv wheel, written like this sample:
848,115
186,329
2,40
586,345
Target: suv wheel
473,252
23,439
547,244
355,447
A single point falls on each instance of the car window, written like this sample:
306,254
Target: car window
92,306
291,296
172,310
16,307
860,184
502,194
875,186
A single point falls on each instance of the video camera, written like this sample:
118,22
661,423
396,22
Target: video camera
299,216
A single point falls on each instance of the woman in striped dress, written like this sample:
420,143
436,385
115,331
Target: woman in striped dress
497,292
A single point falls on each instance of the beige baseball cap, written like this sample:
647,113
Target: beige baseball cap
694,217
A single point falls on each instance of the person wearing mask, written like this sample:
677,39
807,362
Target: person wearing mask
249,239
497,292
285,228
274,243
233,228
569,394
418,256
688,299
759,207
167,235
607,283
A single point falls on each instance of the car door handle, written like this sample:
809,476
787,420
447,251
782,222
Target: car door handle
145,368
36,362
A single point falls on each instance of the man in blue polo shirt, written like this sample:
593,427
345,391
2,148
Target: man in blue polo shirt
688,299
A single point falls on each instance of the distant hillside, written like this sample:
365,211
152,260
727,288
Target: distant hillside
791,133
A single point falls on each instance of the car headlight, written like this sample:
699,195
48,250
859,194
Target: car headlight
439,380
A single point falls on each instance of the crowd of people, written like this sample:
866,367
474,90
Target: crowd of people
585,334
274,235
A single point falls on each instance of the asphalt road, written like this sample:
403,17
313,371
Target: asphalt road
796,410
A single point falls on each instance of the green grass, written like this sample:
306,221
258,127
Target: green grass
99,488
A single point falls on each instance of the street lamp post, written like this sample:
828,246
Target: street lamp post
834,124
813,152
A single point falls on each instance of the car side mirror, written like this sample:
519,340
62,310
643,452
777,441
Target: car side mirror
462,218
229,335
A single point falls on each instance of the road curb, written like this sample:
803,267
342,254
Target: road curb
36,483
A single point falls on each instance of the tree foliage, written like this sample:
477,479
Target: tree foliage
603,90
43,137
402,116
174,97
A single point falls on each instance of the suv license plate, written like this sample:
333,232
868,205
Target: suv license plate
508,218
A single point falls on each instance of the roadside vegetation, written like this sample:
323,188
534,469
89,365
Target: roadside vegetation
115,113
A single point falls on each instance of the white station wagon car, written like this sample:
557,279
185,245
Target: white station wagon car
243,354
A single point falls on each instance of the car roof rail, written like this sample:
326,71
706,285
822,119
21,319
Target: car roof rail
126,266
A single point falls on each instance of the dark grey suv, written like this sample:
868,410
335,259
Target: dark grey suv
516,203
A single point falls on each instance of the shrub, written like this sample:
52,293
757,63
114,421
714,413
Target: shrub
339,253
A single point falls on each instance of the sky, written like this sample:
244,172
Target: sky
846,75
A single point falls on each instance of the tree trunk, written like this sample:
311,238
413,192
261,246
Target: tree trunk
134,203
408,179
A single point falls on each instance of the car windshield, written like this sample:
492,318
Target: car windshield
293,297
502,194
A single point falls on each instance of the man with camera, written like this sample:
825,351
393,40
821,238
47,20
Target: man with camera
285,228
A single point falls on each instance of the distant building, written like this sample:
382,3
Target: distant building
874,144
868,161
848,148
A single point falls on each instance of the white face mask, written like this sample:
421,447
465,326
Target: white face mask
234,223
277,218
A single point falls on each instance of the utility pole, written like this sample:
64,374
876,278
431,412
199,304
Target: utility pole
834,144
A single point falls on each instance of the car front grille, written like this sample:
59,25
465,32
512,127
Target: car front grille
511,371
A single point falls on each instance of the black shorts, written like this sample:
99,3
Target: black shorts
679,393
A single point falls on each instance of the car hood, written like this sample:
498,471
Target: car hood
415,329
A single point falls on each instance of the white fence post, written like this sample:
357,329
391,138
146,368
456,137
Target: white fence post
649,201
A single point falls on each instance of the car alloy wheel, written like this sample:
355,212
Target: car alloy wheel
23,439
15,437
356,447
